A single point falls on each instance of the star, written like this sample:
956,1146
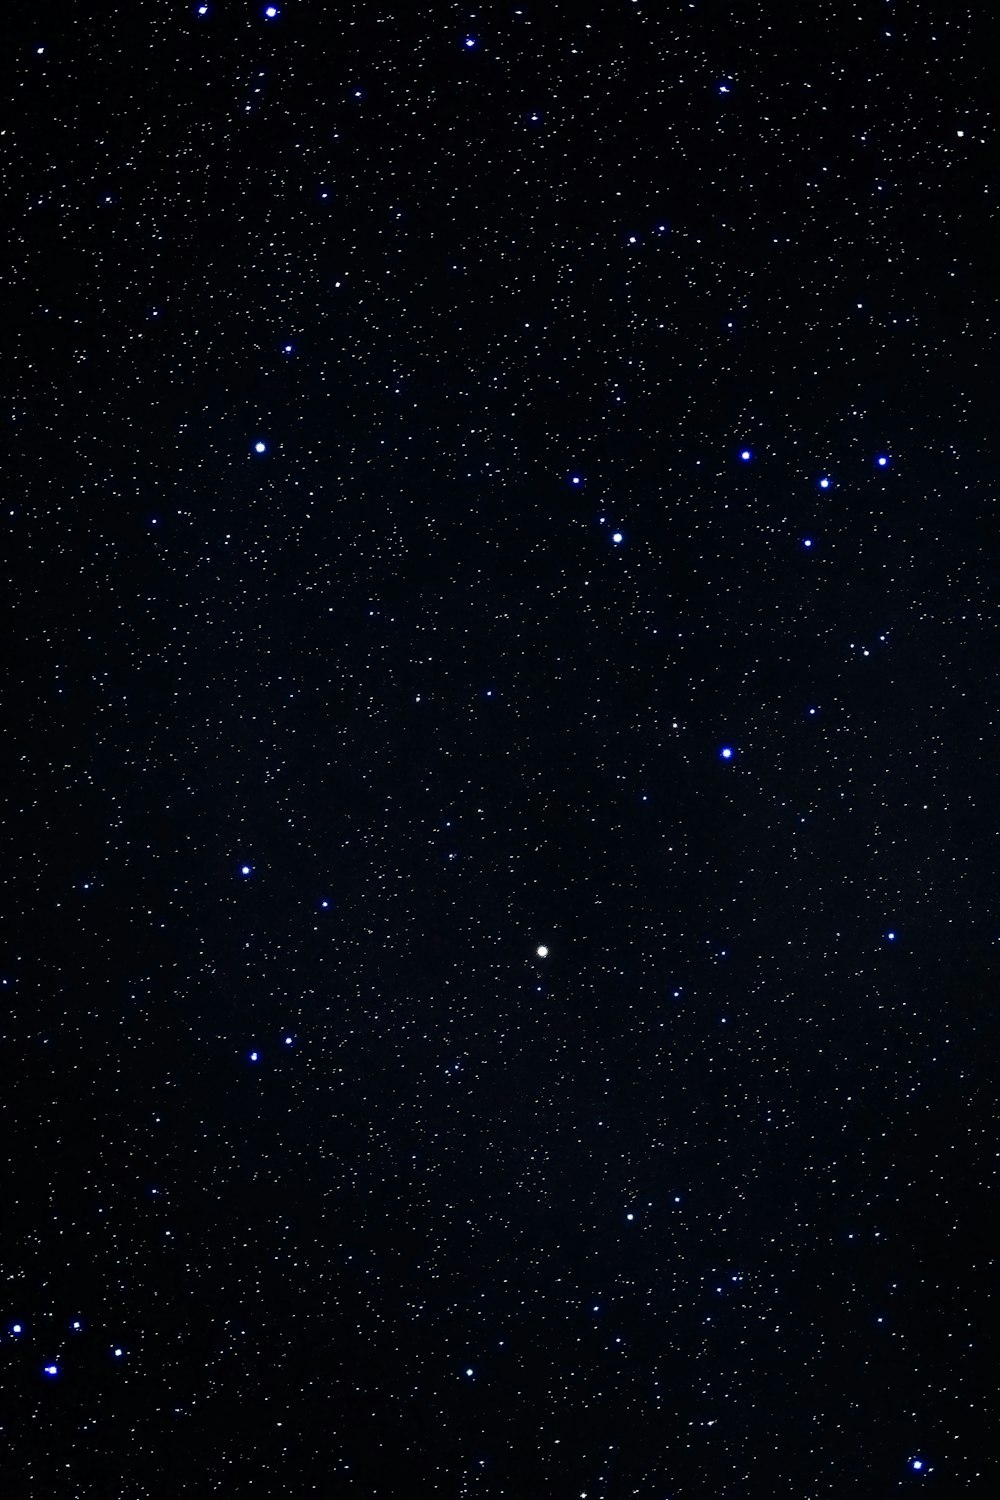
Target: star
727,752
246,870
745,455
617,538
542,951
260,446
825,482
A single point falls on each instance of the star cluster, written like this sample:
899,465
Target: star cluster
499,947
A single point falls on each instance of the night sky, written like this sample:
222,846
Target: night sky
500,956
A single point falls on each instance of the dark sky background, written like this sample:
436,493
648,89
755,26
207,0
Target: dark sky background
500,953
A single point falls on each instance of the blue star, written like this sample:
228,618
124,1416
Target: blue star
825,482
270,12
745,455
890,937
727,752
882,461
576,479
617,538
807,541
51,1370
260,446
254,1056
246,870
469,43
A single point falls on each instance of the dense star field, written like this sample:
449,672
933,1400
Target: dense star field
500,955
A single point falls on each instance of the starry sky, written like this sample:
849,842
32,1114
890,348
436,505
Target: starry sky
499,953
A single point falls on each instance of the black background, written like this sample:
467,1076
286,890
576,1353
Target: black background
704,1198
